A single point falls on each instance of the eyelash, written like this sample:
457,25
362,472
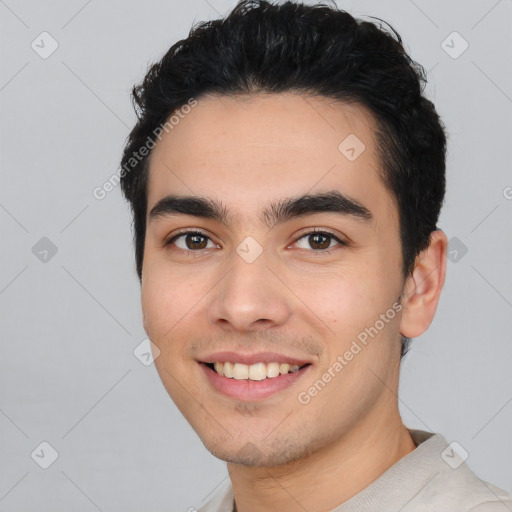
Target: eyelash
314,231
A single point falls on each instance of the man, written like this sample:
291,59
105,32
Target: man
286,176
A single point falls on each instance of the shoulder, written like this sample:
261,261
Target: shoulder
454,486
462,490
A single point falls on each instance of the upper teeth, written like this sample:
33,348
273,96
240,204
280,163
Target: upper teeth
258,371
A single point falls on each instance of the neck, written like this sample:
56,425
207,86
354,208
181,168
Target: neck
328,477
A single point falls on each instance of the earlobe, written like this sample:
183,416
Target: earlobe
423,287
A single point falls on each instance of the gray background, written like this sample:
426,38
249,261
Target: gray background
71,321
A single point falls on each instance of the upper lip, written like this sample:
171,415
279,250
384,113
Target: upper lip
249,359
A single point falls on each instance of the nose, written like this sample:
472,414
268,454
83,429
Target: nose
249,297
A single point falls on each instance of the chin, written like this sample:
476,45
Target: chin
261,454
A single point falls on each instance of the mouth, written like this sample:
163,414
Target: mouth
252,382
255,372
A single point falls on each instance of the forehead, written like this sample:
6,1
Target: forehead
248,151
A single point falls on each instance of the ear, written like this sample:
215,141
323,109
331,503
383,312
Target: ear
423,287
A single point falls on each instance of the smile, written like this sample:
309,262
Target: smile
252,382
258,371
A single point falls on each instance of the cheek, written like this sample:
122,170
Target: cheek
168,304
340,301
346,306
166,300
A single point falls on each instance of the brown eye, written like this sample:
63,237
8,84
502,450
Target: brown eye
318,241
196,241
191,241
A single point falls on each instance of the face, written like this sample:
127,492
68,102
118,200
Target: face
243,287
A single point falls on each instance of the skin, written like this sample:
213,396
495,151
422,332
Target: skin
246,152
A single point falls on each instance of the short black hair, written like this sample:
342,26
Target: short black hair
319,50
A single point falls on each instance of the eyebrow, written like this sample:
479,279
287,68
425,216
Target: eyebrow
278,212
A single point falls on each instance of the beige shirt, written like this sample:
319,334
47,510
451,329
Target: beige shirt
432,478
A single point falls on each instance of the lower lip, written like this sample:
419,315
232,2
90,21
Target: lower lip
251,389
